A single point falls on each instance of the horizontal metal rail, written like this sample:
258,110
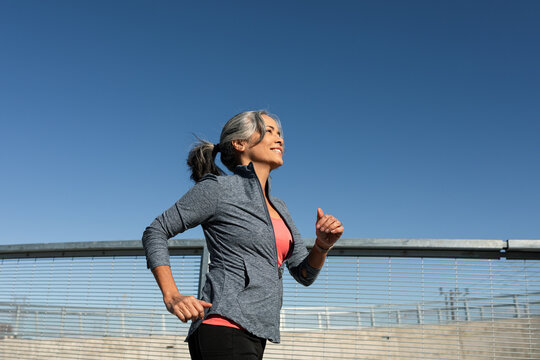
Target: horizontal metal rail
49,321
461,248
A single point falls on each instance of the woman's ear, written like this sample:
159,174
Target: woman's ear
239,145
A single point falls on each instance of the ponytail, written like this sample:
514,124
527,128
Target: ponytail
201,160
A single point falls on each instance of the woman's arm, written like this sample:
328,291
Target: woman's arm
184,307
303,266
316,258
194,208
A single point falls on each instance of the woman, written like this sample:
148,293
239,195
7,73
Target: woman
249,235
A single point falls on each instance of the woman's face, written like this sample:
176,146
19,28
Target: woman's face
270,150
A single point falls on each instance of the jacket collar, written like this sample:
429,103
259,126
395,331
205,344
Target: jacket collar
249,172
245,170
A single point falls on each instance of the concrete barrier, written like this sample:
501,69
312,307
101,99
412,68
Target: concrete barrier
501,339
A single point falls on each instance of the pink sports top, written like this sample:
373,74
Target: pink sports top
283,244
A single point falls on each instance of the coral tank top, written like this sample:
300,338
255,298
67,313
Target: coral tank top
283,244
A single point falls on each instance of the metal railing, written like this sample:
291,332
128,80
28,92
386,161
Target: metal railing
41,321
103,290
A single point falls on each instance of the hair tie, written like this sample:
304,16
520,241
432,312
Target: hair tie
215,150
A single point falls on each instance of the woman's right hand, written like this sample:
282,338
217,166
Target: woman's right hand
185,307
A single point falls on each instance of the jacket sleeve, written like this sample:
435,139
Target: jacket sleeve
196,207
297,262
299,257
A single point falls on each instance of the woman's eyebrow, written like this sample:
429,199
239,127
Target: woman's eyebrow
271,127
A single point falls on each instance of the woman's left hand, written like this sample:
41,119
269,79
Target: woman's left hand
328,229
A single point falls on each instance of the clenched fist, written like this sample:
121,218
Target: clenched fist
328,229
186,307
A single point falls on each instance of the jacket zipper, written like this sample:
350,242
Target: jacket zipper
270,224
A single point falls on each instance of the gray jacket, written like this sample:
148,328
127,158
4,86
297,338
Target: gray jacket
244,281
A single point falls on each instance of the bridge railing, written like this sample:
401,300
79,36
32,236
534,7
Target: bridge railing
372,297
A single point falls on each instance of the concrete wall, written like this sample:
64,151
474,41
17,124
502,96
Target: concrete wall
504,339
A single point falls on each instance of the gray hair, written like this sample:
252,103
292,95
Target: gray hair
242,126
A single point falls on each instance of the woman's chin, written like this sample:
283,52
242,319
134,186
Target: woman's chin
276,165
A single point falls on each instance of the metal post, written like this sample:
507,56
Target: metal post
419,314
452,306
122,327
36,321
107,322
516,305
327,316
80,324
163,326
205,260
372,317
62,318
467,314
17,317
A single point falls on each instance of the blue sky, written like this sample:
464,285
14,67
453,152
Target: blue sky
403,119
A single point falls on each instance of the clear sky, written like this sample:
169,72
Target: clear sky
402,118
